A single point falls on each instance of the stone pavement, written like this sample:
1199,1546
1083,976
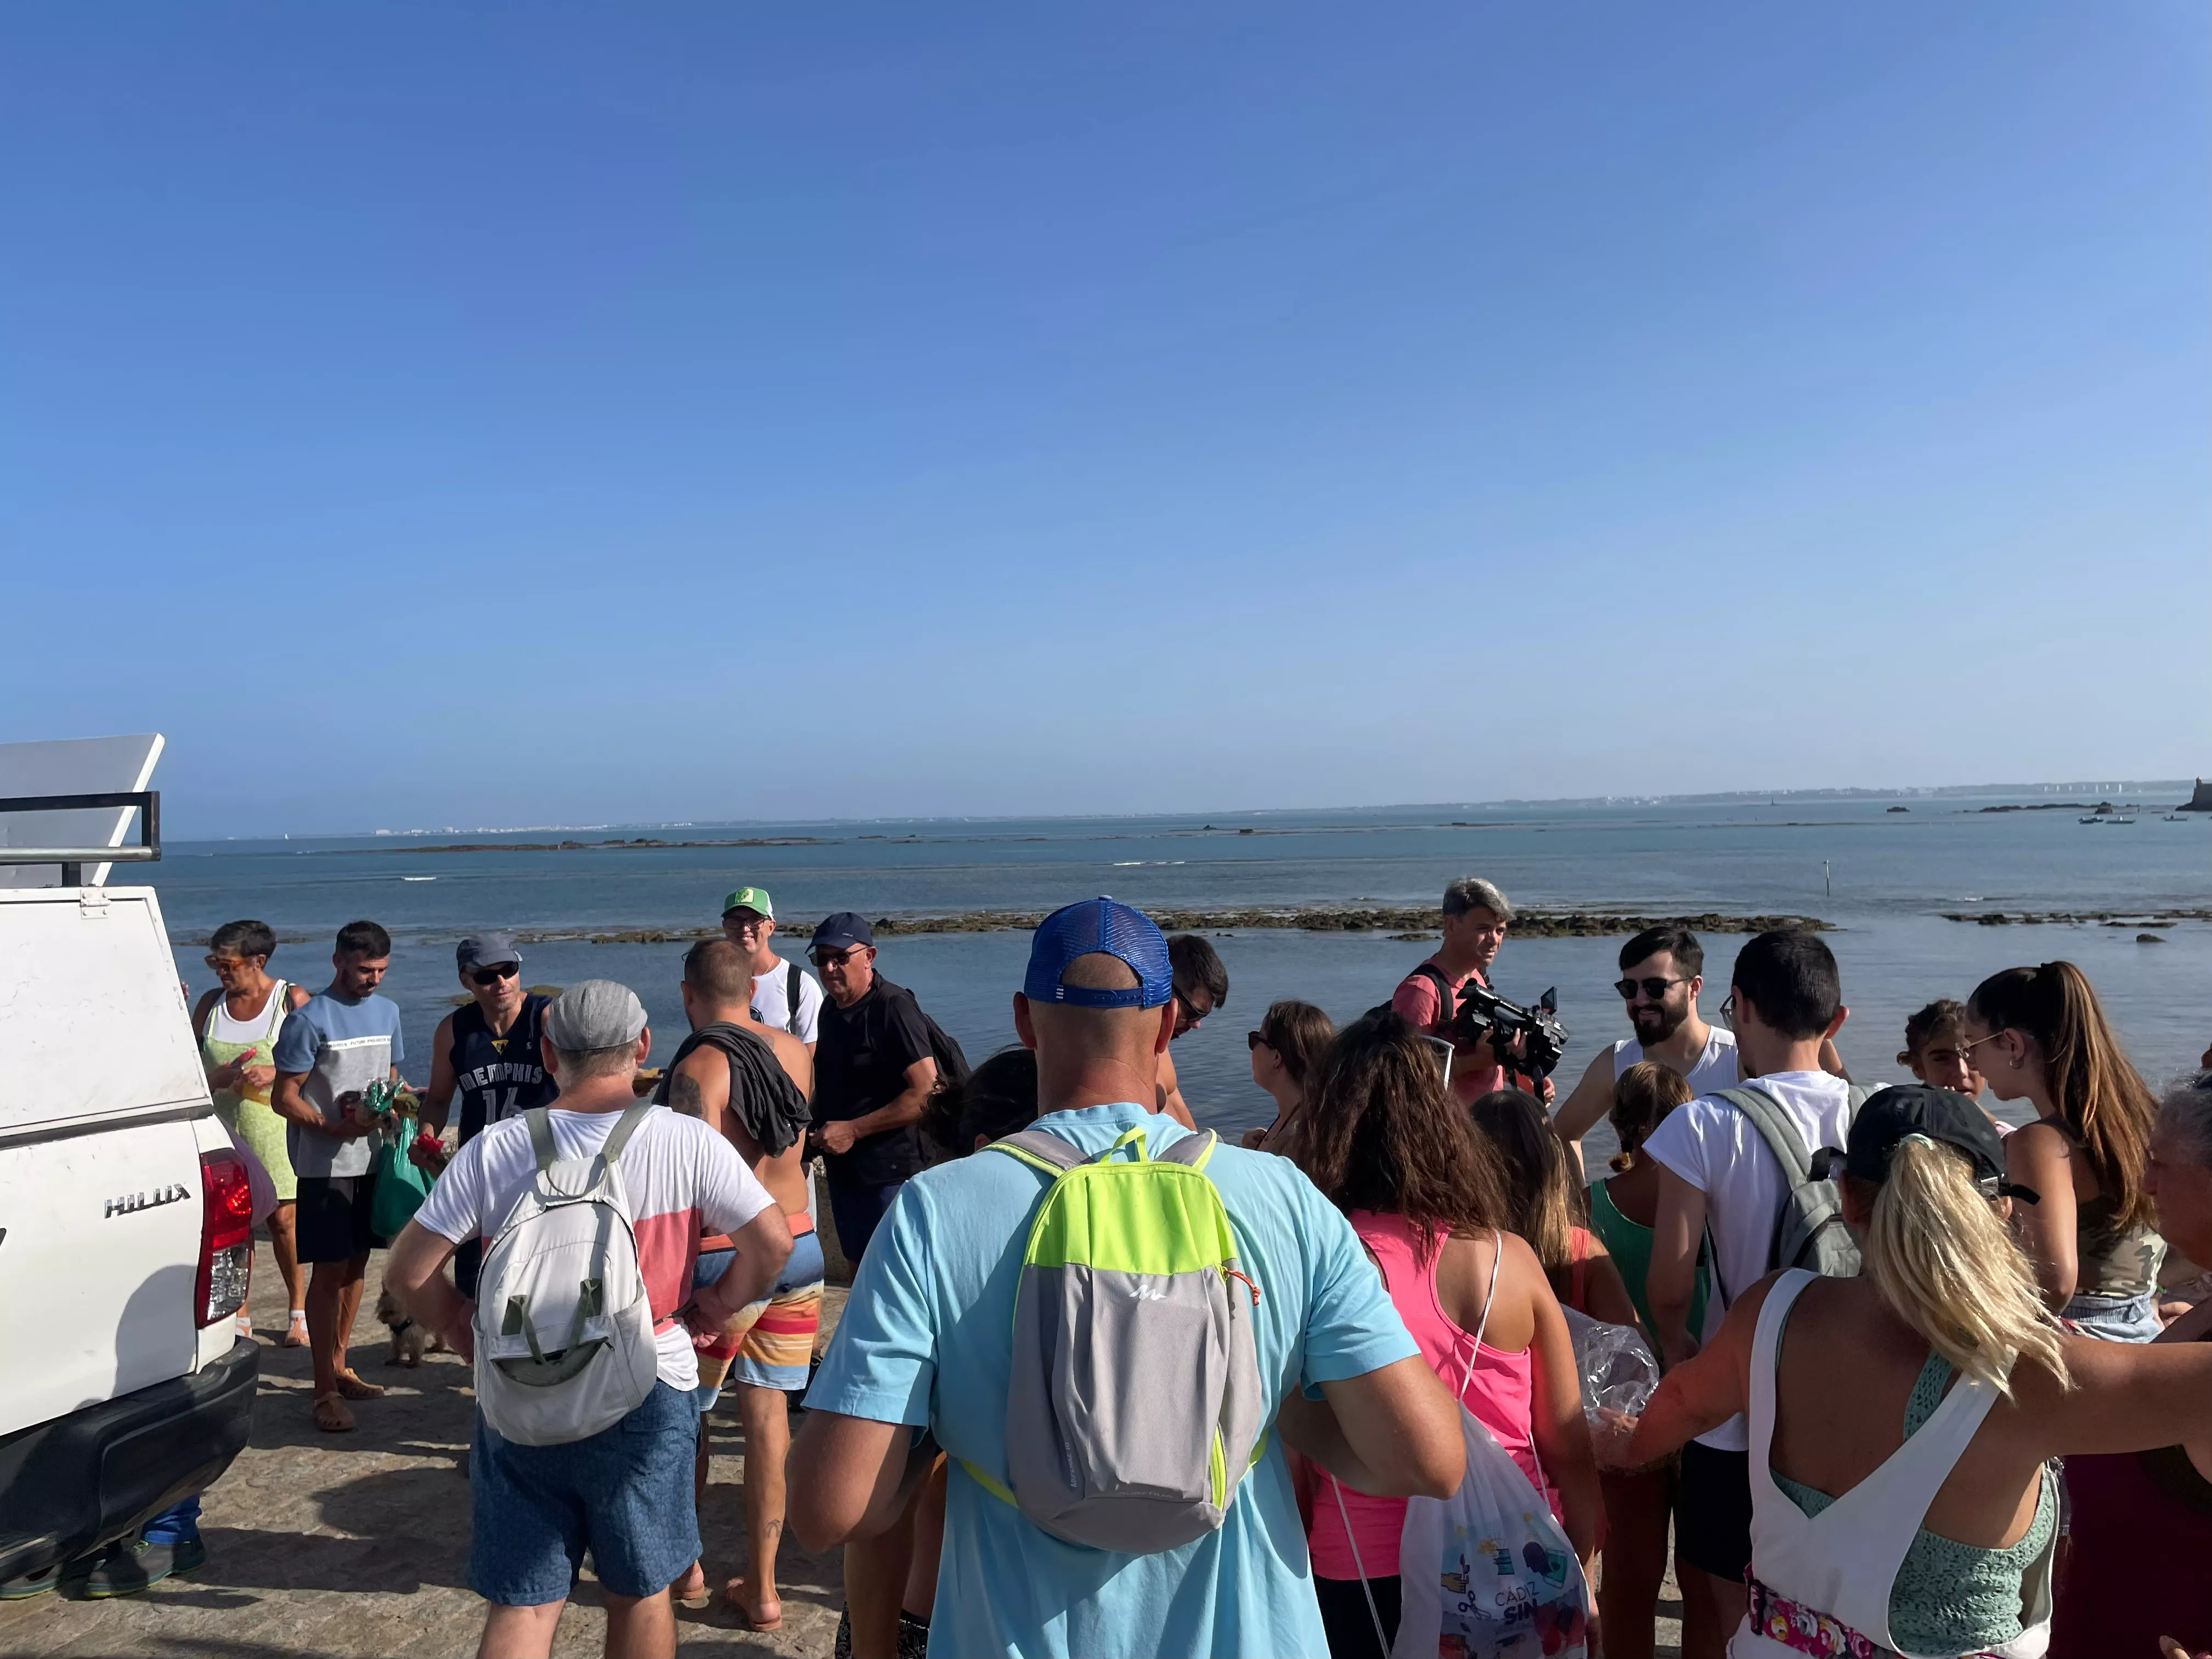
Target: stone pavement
357,1544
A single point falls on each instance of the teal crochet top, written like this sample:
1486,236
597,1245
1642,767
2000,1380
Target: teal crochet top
1951,1597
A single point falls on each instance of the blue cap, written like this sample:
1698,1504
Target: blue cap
846,927
1085,929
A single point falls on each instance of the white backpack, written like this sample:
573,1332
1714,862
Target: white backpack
563,1326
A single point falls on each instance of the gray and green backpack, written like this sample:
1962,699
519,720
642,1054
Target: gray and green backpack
1134,1405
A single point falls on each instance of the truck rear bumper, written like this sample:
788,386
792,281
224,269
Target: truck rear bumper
69,1485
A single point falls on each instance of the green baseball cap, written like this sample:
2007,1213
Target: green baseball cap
755,899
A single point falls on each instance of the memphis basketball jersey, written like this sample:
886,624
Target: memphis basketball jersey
499,1076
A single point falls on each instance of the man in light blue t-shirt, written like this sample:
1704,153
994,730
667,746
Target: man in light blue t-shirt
331,1048
925,1342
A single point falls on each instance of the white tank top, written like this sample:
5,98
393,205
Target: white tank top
1715,1068
1844,1561
263,1027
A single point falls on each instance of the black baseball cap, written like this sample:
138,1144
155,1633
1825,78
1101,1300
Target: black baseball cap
847,927
1940,1114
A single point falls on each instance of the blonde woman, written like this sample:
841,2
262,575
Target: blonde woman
1943,1342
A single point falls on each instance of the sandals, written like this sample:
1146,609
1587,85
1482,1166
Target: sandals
295,1332
332,1415
354,1389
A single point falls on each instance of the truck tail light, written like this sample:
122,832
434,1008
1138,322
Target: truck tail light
226,1237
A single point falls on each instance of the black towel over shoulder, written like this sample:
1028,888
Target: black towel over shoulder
763,1096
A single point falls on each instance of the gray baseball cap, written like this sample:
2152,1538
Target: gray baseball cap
478,949
595,1013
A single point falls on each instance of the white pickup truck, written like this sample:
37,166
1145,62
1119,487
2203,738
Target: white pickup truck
125,1225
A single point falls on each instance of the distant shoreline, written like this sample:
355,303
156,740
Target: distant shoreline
1415,922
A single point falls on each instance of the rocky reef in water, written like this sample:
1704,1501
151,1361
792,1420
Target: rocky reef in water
1414,922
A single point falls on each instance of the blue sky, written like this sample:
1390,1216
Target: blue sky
524,414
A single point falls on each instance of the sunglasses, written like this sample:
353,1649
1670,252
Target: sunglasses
1254,1040
1191,1016
495,972
1653,989
835,958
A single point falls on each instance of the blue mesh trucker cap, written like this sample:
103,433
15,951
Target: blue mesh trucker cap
1096,924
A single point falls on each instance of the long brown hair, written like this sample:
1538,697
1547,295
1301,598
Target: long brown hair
2102,1101
1381,1132
1539,1190
1300,1034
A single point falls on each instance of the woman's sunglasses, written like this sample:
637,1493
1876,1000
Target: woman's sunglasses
1254,1040
1653,989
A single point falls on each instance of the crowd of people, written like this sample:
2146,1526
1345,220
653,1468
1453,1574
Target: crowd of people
1928,1383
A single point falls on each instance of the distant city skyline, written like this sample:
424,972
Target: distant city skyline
618,414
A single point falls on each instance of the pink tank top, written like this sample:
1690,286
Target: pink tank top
1499,1391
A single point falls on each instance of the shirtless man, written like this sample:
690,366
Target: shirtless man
763,1110
1201,986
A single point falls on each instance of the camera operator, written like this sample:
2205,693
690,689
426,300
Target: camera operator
1476,916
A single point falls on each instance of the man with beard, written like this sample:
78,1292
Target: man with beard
1661,973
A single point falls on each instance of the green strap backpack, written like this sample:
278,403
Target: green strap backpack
1134,1391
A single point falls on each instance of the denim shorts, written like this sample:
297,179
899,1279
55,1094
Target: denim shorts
623,1493
2115,1318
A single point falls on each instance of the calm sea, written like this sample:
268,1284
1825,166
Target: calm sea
1882,877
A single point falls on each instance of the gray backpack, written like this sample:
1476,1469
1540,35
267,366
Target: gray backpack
1810,1230
1134,1405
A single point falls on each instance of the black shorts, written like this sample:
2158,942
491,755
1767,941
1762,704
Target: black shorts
1712,1515
332,1217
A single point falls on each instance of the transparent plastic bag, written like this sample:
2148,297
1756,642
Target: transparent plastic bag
1618,1374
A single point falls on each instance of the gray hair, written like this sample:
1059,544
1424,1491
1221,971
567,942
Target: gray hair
2187,1111
577,1064
1468,892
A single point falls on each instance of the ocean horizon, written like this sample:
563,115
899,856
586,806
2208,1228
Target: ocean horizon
1886,883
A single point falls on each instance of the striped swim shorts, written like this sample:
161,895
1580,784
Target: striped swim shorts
771,1344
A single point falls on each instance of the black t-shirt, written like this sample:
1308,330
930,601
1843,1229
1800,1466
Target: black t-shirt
860,1057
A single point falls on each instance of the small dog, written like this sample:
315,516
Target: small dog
410,1340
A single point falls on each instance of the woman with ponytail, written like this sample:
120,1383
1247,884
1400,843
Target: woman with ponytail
2038,1034
1943,1342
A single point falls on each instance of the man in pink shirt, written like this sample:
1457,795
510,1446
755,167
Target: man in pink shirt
1476,916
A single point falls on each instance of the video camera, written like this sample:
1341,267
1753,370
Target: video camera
1484,1013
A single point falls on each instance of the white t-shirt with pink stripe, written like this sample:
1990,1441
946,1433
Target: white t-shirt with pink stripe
683,1178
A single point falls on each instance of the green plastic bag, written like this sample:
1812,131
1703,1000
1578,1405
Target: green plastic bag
400,1189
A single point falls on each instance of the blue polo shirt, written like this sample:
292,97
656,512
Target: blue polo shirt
927,1338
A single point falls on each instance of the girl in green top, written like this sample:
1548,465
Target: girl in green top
1637,1502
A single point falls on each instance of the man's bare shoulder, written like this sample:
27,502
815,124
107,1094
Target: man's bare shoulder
792,1054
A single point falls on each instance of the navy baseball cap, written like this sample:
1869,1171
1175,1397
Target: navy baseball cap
1086,929
847,927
